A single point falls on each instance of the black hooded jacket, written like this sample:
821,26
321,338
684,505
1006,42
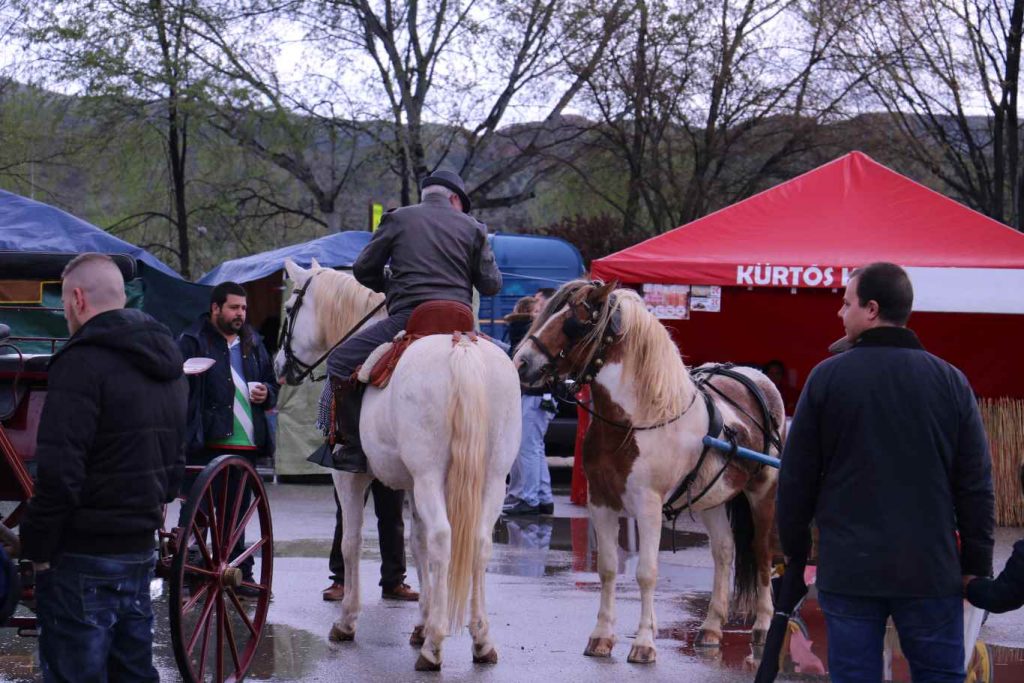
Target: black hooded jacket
111,440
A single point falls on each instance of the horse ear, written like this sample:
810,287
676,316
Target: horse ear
602,291
314,265
295,272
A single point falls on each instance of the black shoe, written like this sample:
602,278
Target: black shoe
521,508
546,508
349,458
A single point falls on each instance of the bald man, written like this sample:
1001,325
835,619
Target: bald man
110,454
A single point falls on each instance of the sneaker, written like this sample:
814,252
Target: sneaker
521,508
546,508
400,592
334,593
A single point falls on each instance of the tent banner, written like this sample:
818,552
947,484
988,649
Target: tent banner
668,302
767,275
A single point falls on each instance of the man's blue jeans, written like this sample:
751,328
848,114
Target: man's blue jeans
530,479
95,618
931,632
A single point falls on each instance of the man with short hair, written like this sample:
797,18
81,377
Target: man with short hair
228,403
887,454
109,456
436,251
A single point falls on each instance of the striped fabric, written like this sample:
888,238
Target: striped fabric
242,436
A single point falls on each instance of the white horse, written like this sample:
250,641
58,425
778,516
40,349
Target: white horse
650,419
446,429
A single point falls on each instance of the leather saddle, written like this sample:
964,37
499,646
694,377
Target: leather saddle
432,317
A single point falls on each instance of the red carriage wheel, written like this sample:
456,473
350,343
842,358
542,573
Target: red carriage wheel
217,612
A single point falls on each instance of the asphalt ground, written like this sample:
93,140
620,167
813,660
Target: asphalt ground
542,595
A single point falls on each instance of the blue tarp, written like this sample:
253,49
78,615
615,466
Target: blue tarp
333,251
28,225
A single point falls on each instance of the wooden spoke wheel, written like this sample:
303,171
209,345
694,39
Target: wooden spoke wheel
220,587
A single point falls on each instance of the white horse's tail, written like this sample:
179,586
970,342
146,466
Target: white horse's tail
467,413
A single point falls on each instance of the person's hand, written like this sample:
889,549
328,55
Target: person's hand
258,393
10,541
966,579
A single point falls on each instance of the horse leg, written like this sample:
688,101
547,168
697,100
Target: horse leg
723,552
649,523
606,527
762,507
437,533
484,651
351,490
419,557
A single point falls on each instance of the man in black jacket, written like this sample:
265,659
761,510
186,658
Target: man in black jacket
436,251
110,455
228,403
887,454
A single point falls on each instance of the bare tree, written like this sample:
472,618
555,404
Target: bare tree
466,66
948,74
702,102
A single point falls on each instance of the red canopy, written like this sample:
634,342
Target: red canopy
777,254
845,214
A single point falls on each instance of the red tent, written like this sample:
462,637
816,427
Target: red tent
781,257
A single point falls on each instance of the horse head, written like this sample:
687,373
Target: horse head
299,345
565,339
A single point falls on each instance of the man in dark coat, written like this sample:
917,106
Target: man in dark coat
887,454
228,403
110,455
436,251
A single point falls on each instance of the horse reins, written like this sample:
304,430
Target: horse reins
286,342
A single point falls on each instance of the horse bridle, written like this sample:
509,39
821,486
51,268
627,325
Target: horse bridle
291,360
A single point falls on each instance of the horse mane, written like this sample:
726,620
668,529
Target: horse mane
650,358
339,303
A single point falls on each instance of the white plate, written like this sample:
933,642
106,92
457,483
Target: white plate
195,366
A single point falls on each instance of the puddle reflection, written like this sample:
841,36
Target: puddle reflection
805,651
547,546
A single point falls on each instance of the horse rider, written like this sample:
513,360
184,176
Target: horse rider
437,251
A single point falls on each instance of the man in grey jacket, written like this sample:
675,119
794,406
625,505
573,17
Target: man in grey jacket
436,252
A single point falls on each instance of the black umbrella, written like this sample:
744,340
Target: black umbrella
788,591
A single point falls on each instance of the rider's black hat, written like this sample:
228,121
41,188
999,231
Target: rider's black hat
452,181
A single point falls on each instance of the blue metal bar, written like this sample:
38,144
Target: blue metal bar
742,452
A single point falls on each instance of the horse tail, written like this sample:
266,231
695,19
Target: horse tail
467,413
745,577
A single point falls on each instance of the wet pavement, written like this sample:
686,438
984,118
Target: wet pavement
542,594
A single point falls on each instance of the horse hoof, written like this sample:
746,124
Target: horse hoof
707,639
338,636
424,664
599,647
490,658
641,654
758,637
417,638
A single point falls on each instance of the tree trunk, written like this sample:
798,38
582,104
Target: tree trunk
1012,85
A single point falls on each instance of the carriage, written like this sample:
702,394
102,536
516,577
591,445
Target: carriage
216,618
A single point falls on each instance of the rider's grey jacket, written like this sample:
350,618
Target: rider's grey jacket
436,253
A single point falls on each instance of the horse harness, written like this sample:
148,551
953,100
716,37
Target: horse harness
574,329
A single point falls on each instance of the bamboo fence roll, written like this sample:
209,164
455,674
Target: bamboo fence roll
1004,424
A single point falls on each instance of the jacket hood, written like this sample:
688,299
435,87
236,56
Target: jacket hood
143,341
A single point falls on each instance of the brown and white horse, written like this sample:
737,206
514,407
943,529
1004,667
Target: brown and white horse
446,429
650,419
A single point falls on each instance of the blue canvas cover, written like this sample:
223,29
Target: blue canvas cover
28,225
337,250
